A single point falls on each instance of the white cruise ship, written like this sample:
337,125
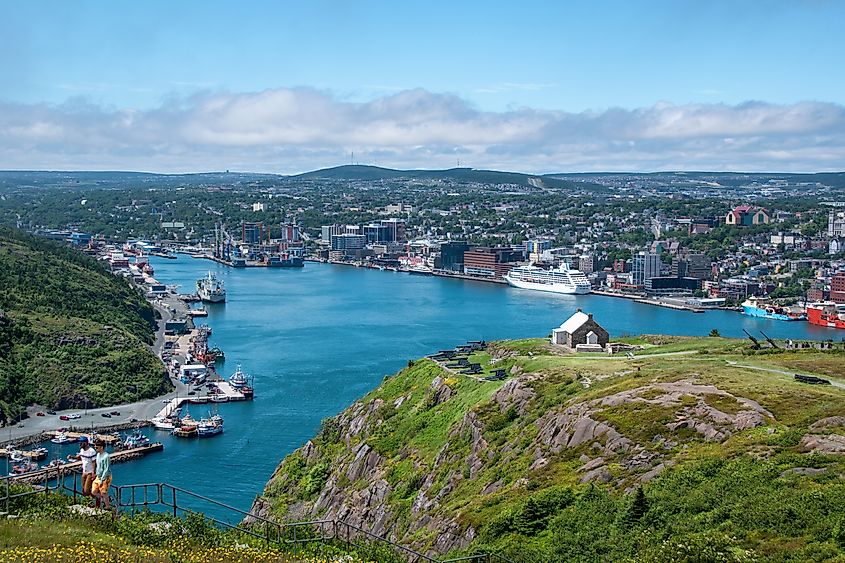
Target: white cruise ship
556,280
210,289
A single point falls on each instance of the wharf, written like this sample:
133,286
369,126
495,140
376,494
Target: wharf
4,452
107,438
39,475
441,274
647,301
227,394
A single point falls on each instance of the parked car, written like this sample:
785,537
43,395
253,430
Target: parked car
115,413
64,417
39,413
106,415
74,416
51,412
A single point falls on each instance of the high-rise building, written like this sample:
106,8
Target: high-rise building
252,233
646,265
491,262
396,229
452,256
536,248
376,233
290,233
694,266
347,242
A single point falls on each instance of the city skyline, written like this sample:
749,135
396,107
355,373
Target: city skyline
546,88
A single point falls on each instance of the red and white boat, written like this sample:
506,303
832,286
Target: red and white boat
827,313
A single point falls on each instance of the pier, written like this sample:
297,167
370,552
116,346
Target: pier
227,394
76,466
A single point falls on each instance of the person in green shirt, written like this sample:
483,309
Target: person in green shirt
102,482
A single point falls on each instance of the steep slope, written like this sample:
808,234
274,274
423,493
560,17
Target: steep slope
584,459
71,333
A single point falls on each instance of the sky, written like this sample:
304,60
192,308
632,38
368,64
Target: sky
530,86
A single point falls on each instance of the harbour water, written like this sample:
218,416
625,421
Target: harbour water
319,337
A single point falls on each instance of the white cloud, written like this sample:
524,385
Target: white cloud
291,130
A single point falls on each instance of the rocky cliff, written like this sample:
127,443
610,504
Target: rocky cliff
446,463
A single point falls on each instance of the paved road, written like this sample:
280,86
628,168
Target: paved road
92,418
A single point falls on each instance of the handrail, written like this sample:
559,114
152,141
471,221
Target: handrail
166,495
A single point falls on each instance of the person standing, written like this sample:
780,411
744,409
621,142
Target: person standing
87,456
102,481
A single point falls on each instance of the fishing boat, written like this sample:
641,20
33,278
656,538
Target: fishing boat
62,438
163,423
206,428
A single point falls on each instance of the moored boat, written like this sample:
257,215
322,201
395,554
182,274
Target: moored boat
827,313
136,440
211,289
557,280
238,379
61,438
765,309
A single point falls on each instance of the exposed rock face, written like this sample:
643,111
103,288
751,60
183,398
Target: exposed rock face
829,444
361,486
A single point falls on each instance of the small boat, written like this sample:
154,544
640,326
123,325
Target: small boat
37,454
201,312
16,456
163,424
24,467
61,438
54,464
218,398
136,440
249,392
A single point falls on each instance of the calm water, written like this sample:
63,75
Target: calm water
318,338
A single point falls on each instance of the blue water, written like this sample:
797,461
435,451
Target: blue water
318,338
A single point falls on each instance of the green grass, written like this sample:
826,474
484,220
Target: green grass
507,504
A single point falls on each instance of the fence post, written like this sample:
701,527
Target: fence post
174,501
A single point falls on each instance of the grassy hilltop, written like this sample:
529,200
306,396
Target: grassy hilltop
70,331
684,452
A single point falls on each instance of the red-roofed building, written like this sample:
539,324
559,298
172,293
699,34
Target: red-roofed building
746,216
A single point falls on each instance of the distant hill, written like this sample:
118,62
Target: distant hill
71,333
692,450
373,173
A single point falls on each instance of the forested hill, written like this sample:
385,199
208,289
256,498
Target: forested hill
372,173
71,333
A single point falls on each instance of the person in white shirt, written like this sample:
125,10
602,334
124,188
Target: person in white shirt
87,455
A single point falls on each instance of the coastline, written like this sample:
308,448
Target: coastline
91,419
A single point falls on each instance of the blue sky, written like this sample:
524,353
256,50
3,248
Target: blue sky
552,64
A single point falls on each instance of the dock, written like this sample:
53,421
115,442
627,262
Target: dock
107,438
76,466
227,394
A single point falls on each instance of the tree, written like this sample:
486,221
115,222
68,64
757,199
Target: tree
714,333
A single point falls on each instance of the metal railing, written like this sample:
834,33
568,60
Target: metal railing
168,497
